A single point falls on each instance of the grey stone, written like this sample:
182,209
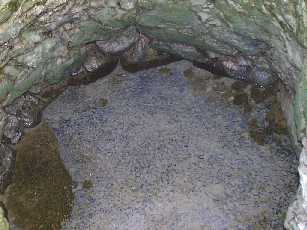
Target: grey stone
120,43
239,68
94,58
137,53
182,50
27,109
14,129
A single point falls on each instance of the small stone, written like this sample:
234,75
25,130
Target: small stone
127,4
27,109
13,130
262,77
138,52
120,43
94,59
143,56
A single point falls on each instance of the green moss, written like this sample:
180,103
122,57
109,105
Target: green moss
41,195
13,5
165,71
103,102
87,184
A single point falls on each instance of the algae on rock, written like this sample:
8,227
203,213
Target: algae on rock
41,194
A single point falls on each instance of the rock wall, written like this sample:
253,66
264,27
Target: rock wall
45,42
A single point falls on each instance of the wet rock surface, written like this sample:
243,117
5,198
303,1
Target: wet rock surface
27,109
13,130
7,163
25,112
171,148
240,68
120,43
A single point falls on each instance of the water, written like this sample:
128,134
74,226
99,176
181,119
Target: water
167,148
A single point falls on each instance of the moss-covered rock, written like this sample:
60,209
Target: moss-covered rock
41,194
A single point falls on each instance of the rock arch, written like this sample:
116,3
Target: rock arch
45,43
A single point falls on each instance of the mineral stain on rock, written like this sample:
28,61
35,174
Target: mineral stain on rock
87,184
165,71
103,102
197,83
261,94
41,195
242,100
276,119
251,100
257,133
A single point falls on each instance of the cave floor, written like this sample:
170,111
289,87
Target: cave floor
166,148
